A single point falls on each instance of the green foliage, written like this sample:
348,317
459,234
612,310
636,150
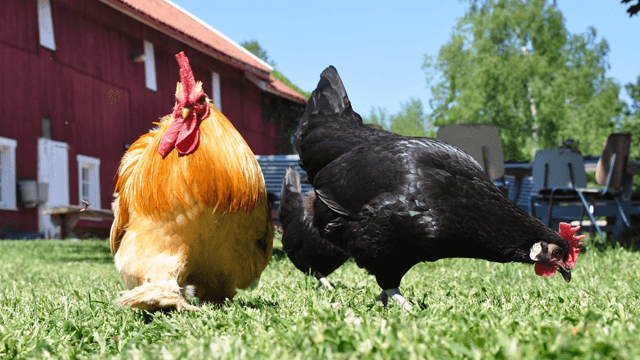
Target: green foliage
633,8
278,75
278,110
56,301
410,120
254,47
513,63
630,124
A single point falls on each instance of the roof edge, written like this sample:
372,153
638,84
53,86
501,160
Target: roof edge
264,86
176,34
260,83
209,27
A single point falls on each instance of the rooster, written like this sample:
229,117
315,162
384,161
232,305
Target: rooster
393,201
306,249
191,214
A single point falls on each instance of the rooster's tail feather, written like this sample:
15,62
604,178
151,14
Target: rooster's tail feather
120,205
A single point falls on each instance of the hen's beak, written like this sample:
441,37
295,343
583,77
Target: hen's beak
186,112
566,273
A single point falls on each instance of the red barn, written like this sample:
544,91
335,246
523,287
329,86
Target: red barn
80,80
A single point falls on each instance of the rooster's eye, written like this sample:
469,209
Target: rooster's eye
556,252
202,99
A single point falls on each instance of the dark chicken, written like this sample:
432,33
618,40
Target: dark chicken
308,251
393,201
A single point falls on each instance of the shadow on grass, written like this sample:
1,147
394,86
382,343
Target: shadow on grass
257,303
81,251
629,242
629,238
278,254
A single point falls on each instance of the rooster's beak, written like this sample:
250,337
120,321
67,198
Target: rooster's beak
185,113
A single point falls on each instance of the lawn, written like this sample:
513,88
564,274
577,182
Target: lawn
56,300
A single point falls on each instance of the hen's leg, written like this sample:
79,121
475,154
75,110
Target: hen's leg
396,296
383,297
324,282
322,279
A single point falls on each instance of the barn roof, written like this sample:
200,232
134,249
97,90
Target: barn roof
279,88
171,19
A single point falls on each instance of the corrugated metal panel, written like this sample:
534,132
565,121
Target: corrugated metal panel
274,167
523,196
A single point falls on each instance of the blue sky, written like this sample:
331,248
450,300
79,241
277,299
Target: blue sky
379,46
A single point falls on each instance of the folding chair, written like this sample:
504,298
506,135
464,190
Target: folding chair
482,142
559,178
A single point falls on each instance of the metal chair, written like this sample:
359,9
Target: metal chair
482,142
559,178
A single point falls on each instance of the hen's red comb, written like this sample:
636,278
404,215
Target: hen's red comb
567,232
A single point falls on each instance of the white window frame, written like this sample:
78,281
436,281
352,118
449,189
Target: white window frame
45,25
150,66
8,173
93,164
215,91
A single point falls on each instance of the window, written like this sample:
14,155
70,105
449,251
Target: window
45,126
150,66
215,93
85,183
89,181
45,25
8,174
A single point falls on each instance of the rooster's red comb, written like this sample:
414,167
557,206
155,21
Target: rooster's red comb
183,133
186,75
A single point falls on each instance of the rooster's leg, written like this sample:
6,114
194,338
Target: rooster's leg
153,296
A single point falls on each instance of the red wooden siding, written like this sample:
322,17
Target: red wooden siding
95,95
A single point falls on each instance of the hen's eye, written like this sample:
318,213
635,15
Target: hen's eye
556,252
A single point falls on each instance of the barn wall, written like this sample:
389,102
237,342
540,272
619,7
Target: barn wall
95,95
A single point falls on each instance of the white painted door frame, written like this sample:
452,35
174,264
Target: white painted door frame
53,169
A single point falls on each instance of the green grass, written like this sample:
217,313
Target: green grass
56,300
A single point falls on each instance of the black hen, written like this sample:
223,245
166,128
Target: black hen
393,201
308,251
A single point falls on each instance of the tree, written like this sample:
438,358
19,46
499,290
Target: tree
513,63
254,47
410,120
633,9
630,124
283,112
